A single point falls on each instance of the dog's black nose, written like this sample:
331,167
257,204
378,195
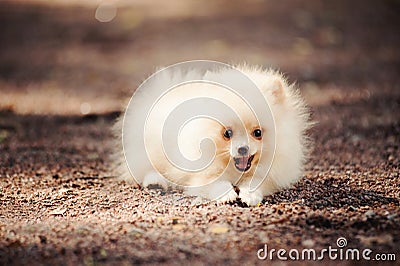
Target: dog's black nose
243,150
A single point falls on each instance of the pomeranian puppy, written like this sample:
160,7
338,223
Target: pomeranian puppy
215,142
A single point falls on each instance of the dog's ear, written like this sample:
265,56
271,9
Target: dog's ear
278,90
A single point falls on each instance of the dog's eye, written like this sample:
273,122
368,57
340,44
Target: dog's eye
228,133
257,133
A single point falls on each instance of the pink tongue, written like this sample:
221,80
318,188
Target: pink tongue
243,162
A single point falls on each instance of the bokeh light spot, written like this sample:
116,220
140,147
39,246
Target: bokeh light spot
106,12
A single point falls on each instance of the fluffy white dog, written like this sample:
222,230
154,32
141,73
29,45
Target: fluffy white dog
219,143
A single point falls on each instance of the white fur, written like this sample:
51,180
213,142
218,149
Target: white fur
217,181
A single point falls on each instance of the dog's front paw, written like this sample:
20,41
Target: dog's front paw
229,196
250,198
219,191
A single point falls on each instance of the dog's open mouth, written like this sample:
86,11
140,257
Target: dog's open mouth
243,163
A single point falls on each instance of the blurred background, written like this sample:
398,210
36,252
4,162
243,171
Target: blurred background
71,57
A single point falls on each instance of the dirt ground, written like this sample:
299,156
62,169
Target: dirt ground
65,77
